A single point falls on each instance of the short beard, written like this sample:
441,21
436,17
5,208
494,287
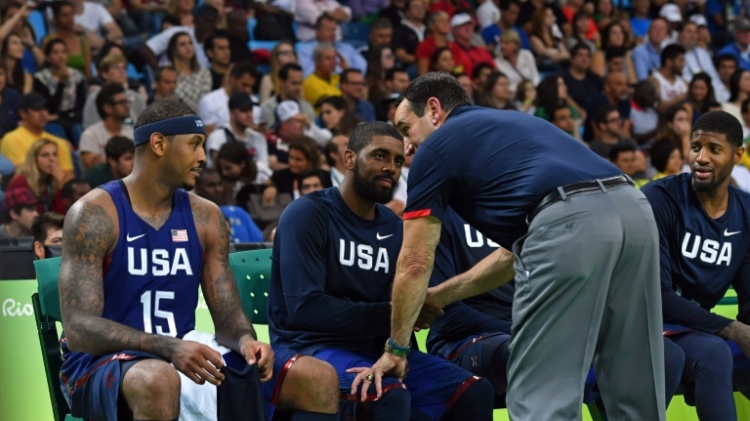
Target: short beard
705,186
368,190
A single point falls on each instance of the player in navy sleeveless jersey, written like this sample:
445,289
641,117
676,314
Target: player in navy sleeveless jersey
704,235
475,333
136,252
334,259
575,223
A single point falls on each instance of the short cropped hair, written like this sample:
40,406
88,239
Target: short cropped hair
363,134
671,52
43,223
440,85
106,96
615,152
118,146
244,67
163,110
721,122
288,67
67,189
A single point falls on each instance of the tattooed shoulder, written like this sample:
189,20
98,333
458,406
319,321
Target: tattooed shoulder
201,213
88,231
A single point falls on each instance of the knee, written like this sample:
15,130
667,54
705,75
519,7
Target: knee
396,397
674,357
712,355
311,385
152,383
479,392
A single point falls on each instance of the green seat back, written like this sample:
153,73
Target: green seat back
252,269
47,272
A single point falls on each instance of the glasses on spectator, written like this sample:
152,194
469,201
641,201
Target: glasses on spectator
615,120
285,53
121,102
356,83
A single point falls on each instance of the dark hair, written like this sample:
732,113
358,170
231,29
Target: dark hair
106,96
172,50
289,67
440,85
67,188
671,52
50,44
601,116
551,116
659,154
57,7
348,121
726,57
616,150
105,50
345,74
547,95
236,153
390,74
436,56
615,52
381,23
208,44
477,70
118,146
605,36
15,76
163,110
244,67
702,107
363,134
43,223
745,106
161,69
645,94
723,123
505,4
581,14
324,17
578,47
734,84
309,149
312,172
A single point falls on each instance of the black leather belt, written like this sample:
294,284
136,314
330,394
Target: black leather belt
564,192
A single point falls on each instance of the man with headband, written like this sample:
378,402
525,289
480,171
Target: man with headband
138,248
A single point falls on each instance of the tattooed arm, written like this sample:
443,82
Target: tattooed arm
89,235
233,328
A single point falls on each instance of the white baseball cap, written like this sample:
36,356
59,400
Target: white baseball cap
671,12
460,19
699,20
286,110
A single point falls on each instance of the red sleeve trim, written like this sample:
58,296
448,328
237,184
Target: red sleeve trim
417,214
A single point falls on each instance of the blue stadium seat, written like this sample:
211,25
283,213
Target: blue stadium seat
355,33
251,24
36,20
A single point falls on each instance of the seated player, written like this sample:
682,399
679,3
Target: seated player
334,259
475,333
134,254
704,234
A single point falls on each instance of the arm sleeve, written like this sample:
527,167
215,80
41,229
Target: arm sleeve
675,308
640,62
302,232
430,185
741,284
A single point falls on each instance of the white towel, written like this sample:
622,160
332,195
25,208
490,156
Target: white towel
198,402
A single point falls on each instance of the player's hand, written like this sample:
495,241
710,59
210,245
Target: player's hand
426,316
259,352
198,362
740,334
388,364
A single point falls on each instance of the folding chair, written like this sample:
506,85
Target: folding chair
252,269
46,304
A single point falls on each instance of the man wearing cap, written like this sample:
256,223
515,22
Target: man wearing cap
204,25
150,244
239,129
466,55
697,58
19,211
213,108
740,48
290,89
289,118
34,116
672,14
647,56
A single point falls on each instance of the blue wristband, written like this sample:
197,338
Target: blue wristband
393,345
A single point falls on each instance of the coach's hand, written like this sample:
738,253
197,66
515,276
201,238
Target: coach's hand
388,364
427,315
254,351
198,362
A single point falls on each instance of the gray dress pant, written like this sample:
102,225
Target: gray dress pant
588,291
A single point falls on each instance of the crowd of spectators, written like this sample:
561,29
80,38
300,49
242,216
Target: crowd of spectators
280,85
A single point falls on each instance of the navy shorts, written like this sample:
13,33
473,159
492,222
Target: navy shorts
96,395
433,383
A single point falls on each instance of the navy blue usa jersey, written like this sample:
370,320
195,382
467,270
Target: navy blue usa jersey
492,167
700,257
461,247
152,277
332,275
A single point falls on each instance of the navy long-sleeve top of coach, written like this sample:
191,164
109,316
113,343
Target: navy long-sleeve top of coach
332,274
492,167
700,257
461,247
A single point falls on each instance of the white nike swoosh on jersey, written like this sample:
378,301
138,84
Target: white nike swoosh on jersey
729,234
383,237
129,238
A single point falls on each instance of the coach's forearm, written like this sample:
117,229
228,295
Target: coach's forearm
491,272
409,291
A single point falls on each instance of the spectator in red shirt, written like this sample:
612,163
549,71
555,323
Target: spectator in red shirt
439,25
449,6
466,55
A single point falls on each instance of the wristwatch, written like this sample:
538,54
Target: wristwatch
399,351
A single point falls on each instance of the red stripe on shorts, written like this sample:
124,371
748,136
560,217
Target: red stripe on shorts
280,380
461,389
417,214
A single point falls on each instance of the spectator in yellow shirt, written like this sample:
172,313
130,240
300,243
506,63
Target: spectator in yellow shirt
323,82
34,116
